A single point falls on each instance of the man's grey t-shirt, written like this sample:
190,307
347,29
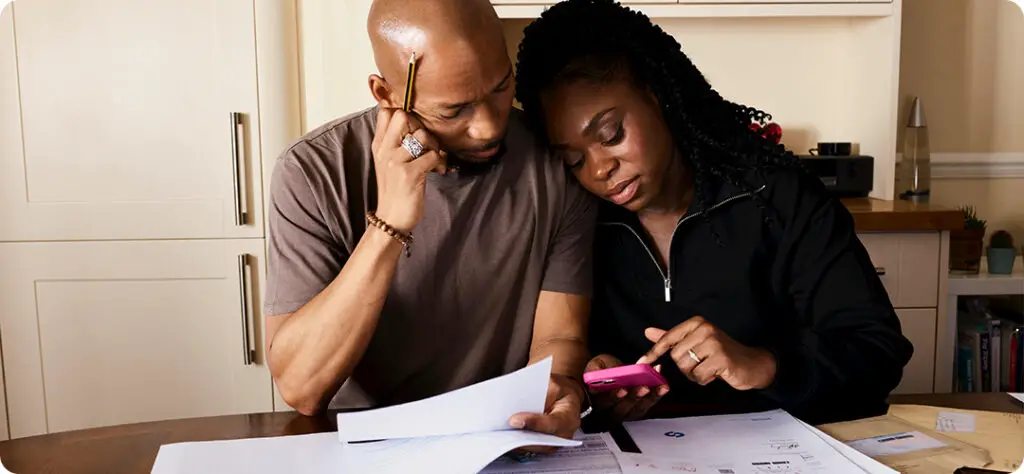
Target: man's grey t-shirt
461,308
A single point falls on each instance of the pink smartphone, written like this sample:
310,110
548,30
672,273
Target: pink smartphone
626,376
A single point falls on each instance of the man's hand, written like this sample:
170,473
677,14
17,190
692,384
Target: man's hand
621,405
401,177
561,413
703,353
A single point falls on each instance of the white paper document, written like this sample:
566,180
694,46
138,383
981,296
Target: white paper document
954,422
303,454
458,432
465,453
592,457
862,460
485,406
896,443
1018,396
322,453
771,441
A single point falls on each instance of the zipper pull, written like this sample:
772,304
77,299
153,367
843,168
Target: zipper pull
668,290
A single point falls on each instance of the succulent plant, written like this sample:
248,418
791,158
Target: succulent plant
1001,240
971,220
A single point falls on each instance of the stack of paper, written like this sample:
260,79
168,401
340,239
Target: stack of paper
463,431
466,431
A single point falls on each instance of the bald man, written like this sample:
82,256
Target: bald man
416,253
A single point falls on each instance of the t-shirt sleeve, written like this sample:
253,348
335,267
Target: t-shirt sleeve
303,256
569,266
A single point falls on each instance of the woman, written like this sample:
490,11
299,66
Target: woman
716,257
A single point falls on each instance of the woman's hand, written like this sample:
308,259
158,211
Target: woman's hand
622,405
703,353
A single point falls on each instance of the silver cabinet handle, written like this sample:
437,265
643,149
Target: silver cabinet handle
880,271
248,352
238,177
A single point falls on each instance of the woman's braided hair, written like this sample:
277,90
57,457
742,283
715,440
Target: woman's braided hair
601,40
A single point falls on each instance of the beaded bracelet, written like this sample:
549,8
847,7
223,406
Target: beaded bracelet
405,240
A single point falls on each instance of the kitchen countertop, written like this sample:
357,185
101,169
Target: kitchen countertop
877,215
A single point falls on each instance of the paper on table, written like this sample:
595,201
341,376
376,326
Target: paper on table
1018,396
764,437
956,422
593,456
485,406
302,454
862,460
739,463
463,453
320,453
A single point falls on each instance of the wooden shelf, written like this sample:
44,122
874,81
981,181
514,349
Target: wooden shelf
510,9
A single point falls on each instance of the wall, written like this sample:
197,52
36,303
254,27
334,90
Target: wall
822,78
963,58
796,69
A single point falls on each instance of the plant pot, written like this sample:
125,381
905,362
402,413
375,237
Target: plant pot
965,248
1000,260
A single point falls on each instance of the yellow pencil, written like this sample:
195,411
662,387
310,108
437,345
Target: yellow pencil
407,106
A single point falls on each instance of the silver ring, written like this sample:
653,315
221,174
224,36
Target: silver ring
412,145
693,355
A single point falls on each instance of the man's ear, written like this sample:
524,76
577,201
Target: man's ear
381,91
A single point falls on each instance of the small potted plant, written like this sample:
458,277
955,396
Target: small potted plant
1001,253
966,245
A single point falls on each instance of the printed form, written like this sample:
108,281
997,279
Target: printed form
764,442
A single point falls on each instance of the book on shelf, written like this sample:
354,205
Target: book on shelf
990,350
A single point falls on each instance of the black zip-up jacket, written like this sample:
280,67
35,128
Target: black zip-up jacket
801,286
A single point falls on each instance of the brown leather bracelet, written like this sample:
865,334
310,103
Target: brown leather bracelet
402,238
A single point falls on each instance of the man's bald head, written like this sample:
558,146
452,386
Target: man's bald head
398,28
463,87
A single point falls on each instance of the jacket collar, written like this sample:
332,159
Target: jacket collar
722,191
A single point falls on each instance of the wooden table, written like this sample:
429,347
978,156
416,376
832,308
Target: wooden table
131,449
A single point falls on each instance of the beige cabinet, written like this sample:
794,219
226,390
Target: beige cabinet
138,120
105,333
913,266
919,327
135,138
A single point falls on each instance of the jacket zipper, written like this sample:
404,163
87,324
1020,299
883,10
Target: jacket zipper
667,278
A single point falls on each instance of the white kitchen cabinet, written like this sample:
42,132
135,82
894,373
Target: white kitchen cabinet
105,333
908,265
135,138
124,119
913,266
919,327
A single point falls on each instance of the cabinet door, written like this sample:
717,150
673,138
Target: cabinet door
117,120
908,265
919,327
106,333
